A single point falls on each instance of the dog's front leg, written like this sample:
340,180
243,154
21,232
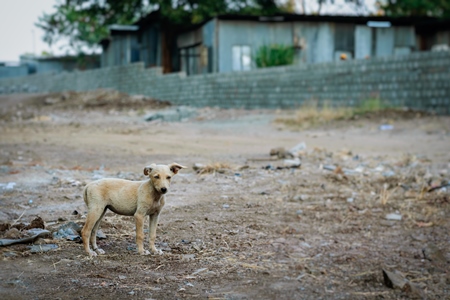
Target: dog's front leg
140,233
153,224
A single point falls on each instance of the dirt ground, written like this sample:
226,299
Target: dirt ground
248,227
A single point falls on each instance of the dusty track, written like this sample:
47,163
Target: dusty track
239,233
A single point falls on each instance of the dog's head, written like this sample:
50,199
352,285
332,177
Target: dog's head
160,175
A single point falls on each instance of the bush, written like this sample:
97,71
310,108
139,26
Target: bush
274,55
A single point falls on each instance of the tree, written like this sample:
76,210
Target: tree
83,23
434,8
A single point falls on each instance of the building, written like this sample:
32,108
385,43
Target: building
228,43
433,35
122,47
143,41
32,64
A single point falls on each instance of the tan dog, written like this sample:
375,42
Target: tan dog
129,198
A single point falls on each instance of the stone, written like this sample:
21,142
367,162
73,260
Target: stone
394,216
13,233
432,253
394,280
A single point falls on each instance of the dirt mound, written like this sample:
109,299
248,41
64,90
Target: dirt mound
101,99
97,99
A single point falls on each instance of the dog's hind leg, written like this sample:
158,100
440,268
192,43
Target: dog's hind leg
93,216
94,235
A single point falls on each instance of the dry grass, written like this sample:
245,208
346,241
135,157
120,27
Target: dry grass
312,114
212,168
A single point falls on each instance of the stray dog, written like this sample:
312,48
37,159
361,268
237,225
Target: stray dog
125,197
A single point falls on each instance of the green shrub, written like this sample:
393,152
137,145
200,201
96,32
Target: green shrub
274,55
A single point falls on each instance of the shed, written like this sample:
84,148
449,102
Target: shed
229,42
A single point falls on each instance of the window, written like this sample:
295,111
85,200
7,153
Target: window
404,37
242,60
344,38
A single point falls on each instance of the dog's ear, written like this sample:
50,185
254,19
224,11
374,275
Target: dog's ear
176,167
148,169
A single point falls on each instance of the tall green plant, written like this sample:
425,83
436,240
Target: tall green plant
274,55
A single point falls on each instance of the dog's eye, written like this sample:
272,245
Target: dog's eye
156,176
168,177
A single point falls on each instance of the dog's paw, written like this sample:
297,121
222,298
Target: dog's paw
92,253
145,252
157,251
99,251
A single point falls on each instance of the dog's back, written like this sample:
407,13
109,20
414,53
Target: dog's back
119,195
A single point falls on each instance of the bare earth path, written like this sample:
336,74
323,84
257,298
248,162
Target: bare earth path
249,230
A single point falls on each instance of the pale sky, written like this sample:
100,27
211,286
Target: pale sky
18,34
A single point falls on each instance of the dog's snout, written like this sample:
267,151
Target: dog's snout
163,190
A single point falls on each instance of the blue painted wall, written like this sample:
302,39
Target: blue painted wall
253,34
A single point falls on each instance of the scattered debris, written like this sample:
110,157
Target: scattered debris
394,216
13,233
432,253
67,230
211,168
396,280
8,186
292,163
386,127
178,114
297,150
35,234
42,248
281,153
198,271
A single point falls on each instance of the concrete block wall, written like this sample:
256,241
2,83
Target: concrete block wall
419,80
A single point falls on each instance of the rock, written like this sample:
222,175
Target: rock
302,197
226,206
385,127
74,238
66,230
4,226
394,280
295,151
199,271
36,223
51,100
42,248
281,153
101,235
394,216
187,257
198,166
172,115
121,277
432,253
13,233
8,186
10,254
171,278
292,163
